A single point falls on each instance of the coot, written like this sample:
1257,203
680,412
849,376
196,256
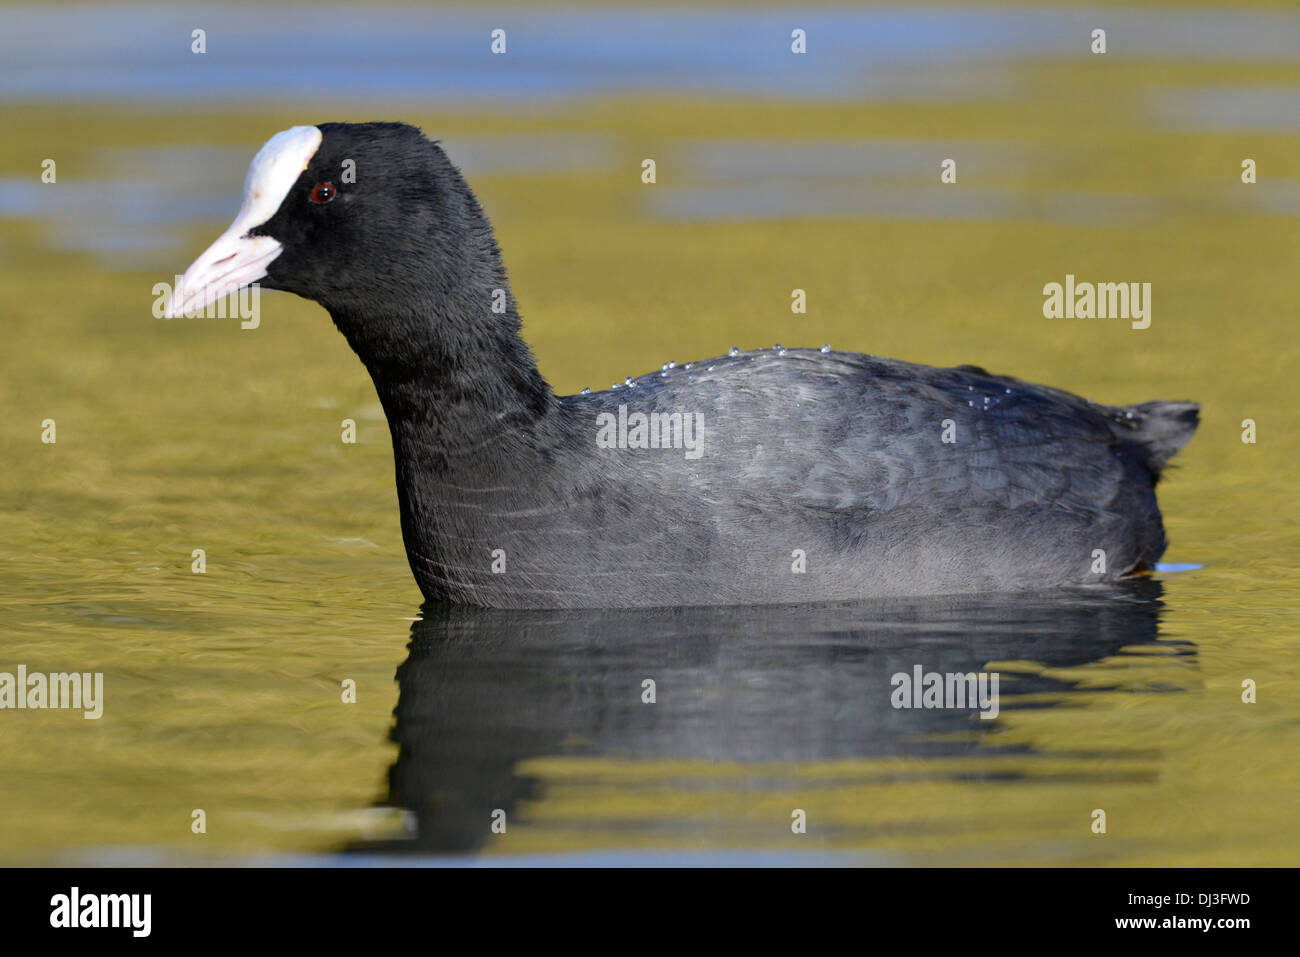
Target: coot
782,475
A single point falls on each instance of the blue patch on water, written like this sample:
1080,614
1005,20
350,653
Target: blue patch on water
1230,108
1177,567
400,55
871,179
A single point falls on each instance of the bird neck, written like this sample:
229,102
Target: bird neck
458,384
442,341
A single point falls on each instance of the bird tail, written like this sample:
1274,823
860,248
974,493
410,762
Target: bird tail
1157,430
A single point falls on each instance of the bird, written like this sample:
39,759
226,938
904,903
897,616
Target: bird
763,476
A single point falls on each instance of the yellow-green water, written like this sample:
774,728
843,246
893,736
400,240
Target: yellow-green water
223,689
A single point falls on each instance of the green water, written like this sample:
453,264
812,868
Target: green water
223,689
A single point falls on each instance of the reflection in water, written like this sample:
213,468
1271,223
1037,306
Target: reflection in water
484,690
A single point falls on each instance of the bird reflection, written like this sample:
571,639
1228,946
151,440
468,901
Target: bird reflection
485,689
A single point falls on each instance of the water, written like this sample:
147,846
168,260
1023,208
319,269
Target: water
224,691
756,712
577,51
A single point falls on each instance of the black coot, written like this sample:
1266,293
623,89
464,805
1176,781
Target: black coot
753,477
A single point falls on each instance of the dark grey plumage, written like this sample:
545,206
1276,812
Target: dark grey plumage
833,462
835,456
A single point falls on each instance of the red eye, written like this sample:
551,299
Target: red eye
323,193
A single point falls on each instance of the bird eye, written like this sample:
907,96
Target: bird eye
323,193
